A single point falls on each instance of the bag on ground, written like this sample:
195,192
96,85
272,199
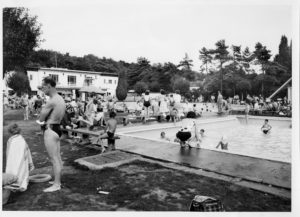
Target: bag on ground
206,204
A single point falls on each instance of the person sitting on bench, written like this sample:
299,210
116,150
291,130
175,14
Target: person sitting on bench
110,129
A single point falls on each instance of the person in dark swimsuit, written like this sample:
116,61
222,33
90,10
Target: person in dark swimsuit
266,127
147,104
52,115
183,135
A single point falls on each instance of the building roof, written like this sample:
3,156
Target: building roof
112,74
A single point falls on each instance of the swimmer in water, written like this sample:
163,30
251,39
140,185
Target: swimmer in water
223,143
266,127
163,136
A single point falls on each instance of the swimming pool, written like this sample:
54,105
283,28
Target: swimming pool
244,139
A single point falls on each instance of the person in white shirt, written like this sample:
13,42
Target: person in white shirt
139,108
177,97
185,107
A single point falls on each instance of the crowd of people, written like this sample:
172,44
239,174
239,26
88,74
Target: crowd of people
55,112
168,107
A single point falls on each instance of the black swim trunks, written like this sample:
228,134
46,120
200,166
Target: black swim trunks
110,139
265,131
110,135
55,128
147,103
183,136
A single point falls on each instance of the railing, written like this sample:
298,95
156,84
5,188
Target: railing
71,84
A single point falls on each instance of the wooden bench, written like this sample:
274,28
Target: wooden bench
110,141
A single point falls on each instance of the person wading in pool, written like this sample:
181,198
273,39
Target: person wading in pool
223,143
183,135
266,127
51,115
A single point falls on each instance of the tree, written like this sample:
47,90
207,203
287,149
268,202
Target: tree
154,86
284,56
167,72
205,57
221,54
121,91
236,53
186,63
243,86
141,67
21,34
262,55
140,87
246,58
18,81
182,85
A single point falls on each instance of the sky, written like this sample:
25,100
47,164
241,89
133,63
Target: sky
161,31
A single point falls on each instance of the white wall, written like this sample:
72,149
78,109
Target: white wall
100,81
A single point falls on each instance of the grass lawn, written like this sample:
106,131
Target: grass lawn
138,185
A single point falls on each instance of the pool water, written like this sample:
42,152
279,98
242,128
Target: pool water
244,139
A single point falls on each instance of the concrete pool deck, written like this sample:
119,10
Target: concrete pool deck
265,171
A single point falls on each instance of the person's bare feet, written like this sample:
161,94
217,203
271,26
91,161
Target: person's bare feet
52,188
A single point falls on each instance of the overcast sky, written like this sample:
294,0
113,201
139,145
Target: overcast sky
161,32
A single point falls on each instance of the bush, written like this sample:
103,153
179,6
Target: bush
121,92
140,87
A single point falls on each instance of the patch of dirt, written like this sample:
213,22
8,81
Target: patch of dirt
157,192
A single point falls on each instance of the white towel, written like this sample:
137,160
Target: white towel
18,160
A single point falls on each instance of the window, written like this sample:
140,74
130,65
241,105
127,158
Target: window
110,81
54,77
115,81
30,77
71,80
104,81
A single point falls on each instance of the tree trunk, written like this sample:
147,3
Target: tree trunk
262,82
221,79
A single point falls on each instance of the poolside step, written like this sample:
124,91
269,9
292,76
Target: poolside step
109,159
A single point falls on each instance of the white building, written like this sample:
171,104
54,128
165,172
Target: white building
70,81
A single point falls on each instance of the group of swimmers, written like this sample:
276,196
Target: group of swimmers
185,139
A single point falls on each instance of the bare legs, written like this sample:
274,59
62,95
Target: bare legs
52,145
103,135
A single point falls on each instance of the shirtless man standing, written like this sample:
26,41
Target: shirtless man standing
52,114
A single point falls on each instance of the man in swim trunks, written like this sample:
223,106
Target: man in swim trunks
266,127
110,129
52,114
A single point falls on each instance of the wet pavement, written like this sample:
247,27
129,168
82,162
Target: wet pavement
274,173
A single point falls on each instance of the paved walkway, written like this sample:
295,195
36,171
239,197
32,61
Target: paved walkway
260,170
274,173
